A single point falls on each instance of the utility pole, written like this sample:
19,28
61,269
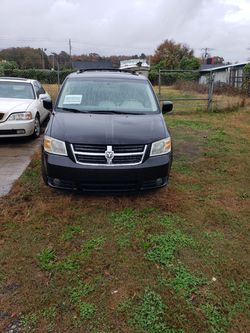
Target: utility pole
58,68
206,52
70,51
42,55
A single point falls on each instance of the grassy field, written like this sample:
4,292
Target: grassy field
220,102
171,261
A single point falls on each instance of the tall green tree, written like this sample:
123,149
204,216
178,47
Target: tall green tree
25,57
171,55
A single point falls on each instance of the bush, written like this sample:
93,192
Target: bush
8,65
246,81
44,76
169,78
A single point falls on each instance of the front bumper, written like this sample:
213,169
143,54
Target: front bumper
9,129
61,172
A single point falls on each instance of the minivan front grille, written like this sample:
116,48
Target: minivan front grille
89,148
108,155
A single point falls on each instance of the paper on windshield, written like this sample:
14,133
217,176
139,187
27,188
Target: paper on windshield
72,99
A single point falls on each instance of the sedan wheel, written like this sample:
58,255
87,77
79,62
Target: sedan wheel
37,128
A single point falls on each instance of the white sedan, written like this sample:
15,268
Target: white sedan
24,105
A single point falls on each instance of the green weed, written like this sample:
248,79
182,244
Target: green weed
86,310
124,241
31,177
91,245
164,246
127,218
46,258
244,194
217,138
211,235
191,124
184,283
215,317
49,313
68,263
82,289
182,167
72,261
71,231
124,306
149,314
28,322
170,220
241,293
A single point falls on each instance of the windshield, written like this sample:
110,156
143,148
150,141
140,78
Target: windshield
16,90
117,95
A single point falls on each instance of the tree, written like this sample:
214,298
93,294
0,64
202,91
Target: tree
8,65
169,54
189,63
143,56
25,57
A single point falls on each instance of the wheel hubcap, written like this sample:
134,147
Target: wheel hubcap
37,127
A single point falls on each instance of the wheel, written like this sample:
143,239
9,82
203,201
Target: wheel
37,128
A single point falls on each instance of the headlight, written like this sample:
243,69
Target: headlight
161,147
54,146
20,116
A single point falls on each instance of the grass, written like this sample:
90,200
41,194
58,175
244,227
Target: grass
82,289
174,260
149,313
162,247
221,103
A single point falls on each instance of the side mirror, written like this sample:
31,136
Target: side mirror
47,104
167,106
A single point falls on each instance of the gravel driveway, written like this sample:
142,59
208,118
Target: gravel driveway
15,156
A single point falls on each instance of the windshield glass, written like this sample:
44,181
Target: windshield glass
120,95
16,90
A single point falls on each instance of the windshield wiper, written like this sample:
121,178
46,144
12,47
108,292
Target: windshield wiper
113,112
100,111
71,110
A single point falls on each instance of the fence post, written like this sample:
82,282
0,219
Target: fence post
159,83
58,76
210,91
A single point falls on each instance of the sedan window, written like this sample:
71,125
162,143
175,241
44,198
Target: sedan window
16,90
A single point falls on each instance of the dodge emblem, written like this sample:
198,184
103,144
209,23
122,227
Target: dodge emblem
109,154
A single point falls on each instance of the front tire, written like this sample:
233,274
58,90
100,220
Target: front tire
37,128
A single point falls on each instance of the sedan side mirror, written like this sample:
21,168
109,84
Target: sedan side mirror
47,104
167,106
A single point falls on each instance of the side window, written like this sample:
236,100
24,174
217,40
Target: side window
41,90
36,89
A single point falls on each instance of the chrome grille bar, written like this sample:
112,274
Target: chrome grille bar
90,156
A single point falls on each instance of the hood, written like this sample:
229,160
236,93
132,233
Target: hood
14,105
106,128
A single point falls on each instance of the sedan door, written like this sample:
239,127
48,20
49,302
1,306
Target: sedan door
41,96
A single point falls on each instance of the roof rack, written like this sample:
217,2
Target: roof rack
13,78
82,70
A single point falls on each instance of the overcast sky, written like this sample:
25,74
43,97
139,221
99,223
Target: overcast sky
127,26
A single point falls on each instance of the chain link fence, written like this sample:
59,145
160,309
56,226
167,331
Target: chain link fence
189,94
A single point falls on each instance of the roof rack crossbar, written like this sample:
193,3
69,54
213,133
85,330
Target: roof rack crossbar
82,70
